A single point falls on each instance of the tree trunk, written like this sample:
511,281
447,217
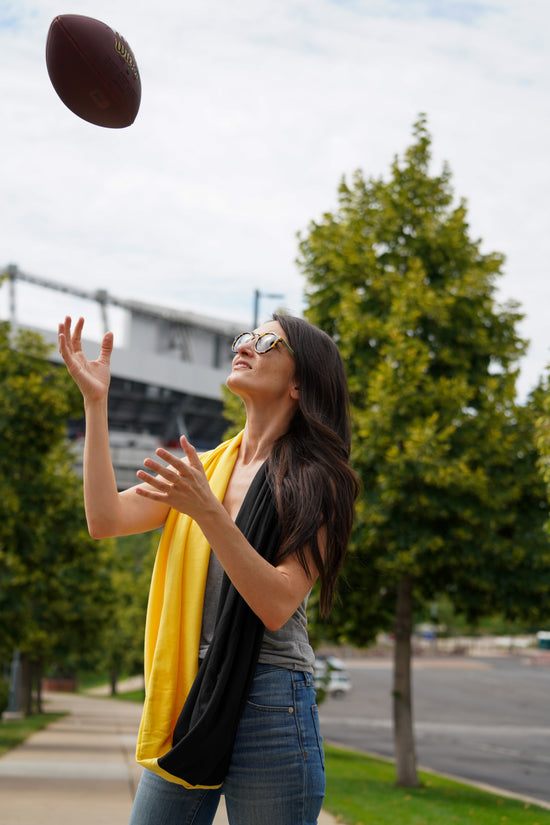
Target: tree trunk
405,754
38,685
113,679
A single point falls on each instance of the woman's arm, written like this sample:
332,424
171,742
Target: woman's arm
273,593
108,512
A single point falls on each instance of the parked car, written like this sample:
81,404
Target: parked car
331,676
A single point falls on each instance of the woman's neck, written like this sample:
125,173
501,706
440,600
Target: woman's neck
260,434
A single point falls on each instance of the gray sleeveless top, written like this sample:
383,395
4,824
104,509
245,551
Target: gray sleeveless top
287,647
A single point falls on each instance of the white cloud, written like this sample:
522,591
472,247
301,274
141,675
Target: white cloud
251,113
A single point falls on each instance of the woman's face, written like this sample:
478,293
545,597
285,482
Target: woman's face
269,375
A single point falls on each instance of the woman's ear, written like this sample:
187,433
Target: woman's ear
295,393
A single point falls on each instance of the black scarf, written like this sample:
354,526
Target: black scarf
203,738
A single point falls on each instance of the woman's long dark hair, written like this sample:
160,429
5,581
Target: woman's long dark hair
309,466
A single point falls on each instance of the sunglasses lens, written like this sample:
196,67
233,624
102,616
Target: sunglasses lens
241,340
266,341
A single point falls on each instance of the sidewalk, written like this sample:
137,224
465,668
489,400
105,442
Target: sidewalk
79,769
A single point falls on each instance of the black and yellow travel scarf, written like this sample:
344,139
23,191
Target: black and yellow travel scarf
191,715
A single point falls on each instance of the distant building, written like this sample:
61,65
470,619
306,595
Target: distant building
166,381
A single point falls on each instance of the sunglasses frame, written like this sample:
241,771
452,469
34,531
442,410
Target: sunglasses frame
256,338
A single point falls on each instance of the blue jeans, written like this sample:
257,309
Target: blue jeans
277,771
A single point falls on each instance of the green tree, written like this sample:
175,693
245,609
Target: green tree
540,402
451,499
121,643
539,405
56,588
233,412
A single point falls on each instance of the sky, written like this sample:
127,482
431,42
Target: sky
252,112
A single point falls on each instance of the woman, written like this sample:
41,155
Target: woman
248,529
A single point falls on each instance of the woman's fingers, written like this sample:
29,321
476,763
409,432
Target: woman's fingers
162,470
180,466
66,347
178,483
154,481
168,477
77,333
190,452
106,348
69,342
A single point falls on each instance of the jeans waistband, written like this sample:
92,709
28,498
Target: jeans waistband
297,676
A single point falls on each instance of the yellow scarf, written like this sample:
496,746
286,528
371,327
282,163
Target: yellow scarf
174,617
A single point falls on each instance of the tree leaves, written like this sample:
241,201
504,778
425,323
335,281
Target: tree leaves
55,587
395,277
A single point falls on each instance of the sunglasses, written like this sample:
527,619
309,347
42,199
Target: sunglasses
262,342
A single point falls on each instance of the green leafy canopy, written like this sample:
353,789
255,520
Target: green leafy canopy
394,276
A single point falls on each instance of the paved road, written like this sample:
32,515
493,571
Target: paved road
486,720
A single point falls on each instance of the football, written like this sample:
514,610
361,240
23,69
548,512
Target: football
93,70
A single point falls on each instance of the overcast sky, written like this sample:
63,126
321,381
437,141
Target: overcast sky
251,113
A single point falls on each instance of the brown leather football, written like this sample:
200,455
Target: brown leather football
93,70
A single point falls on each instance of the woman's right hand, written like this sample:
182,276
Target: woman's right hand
92,377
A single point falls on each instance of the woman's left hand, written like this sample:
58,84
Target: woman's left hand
182,484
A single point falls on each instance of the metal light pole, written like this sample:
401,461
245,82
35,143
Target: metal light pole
12,275
257,296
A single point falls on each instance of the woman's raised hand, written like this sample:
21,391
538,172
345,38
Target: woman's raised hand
92,377
181,483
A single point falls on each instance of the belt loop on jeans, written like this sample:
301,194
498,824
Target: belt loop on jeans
303,677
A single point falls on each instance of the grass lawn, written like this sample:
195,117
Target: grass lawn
361,791
15,731
130,696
